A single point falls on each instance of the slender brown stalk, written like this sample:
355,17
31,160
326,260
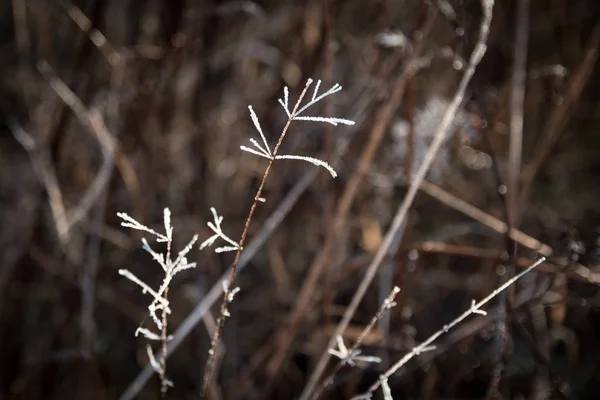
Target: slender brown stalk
319,266
510,200
484,218
399,218
210,364
385,305
560,115
164,332
163,343
517,100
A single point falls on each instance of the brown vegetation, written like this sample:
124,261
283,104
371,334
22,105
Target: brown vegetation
131,106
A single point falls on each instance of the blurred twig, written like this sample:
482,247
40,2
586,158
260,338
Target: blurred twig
217,290
94,121
510,198
427,346
486,219
399,218
387,303
285,336
559,116
517,99
40,158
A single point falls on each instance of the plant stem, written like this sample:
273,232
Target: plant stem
210,363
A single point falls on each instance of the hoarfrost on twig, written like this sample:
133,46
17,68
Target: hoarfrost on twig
129,222
314,161
145,288
159,302
232,293
216,228
475,308
332,121
263,150
155,365
147,333
349,357
385,388
294,115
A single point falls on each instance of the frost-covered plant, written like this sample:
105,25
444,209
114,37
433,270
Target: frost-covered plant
427,344
295,116
160,302
263,150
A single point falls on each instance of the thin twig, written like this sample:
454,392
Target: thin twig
160,296
23,42
426,345
486,219
559,116
94,121
517,100
40,158
385,305
97,38
88,275
577,270
510,198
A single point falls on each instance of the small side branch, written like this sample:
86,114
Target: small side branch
427,345
348,356
160,302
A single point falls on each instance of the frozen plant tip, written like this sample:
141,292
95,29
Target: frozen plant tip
216,228
232,292
294,115
230,296
387,392
260,151
160,302
314,161
349,357
129,222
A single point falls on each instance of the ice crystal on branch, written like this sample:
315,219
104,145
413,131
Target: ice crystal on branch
294,115
159,303
349,357
215,226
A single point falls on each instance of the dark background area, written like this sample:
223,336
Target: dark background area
172,81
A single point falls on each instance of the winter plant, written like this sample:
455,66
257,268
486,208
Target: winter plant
427,344
160,302
263,150
159,307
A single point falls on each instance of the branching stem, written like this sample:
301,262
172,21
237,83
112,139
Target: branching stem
210,364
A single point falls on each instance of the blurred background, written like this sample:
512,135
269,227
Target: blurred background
133,106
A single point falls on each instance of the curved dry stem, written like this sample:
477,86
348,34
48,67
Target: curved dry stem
399,218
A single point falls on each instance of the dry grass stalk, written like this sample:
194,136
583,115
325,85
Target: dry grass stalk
263,150
427,345
354,350
399,218
160,296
